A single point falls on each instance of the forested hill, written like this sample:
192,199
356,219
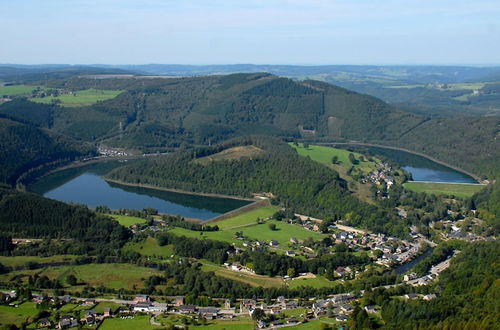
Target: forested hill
165,113
297,182
26,215
24,147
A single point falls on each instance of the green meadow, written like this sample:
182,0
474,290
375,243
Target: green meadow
16,90
17,315
317,282
253,280
456,189
23,260
80,98
149,247
126,220
247,218
137,322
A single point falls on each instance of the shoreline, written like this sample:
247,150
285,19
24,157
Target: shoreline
179,191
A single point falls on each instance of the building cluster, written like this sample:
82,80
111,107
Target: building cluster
338,307
111,152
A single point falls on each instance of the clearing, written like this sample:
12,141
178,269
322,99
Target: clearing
80,98
247,218
16,90
317,282
437,188
235,153
17,315
19,261
126,220
149,247
250,279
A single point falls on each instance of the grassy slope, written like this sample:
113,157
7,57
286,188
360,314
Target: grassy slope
460,190
324,155
81,98
114,276
16,90
149,247
318,282
13,315
253,280
126,220
138,322
22,260
247,218
231,154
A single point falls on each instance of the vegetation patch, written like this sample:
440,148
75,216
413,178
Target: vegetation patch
235,153
247,218
252,280
456,189
18,315
129,322
80,98
316,282
19,261
16,90
126,220
149,247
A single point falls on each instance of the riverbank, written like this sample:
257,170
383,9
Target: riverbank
475,177
179,191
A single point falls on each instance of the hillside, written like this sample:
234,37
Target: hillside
296,182
158,114
24,147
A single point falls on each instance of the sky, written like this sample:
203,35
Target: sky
308,32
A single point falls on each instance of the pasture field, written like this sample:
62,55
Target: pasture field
247,218
317,282
99,308
149,247
231,154
68,307
256,232
80,98
457,189
17,315
253,280
115,276
238,324
19,261
137,322
126,220
315,324
296,312
16,90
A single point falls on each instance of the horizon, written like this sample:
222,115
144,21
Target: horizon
274,32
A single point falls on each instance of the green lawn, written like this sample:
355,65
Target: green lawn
318,282
126,220
324,155
253,280
243,324
314,324
99,308
114,276
16,90
80,98
137,322
150,247
22,260
68,308
13,315
459,190
247,218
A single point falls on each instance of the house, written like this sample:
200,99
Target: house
370,309
187,309
107,312
142,298
346,308
39,298
209,313
411,296
409,277
89,302
141,307
90,320
67,322
227,304
290,253
90,312
430,296
293,240
45,323
341,318
261,324
157,307
227,313
274,243
291,305
179,300
66,299
247,305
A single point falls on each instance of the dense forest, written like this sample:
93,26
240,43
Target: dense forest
296,182
26,215
24,147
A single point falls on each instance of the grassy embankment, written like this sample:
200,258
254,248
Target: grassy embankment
115,276
324,156
80,98
456,189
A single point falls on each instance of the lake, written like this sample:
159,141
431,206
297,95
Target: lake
421,168
84,185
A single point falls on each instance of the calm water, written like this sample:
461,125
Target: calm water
421,168
409,265
84,185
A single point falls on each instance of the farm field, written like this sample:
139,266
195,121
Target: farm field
19,261
257,232
318,282
242,324
231,154
80,98
126,220
253,280
99,308
13,315
137,322
113,276
16,90
149,247
457,189
247,218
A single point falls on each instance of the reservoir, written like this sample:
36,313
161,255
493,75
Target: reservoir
84,185
421,168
